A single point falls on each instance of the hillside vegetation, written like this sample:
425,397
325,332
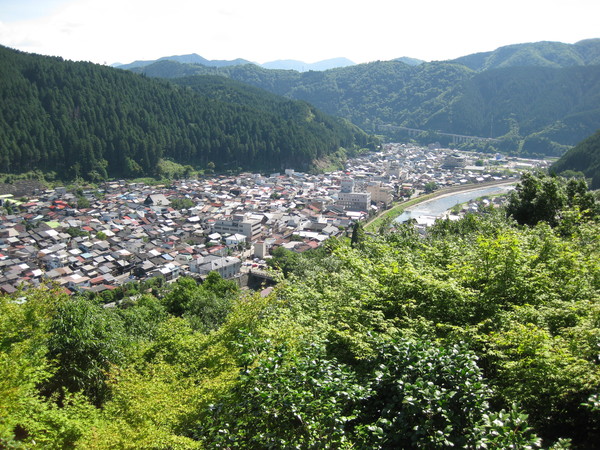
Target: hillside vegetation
82,119
584,158
482,334
537,99
544,54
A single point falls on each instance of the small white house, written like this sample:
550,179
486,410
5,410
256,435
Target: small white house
235,239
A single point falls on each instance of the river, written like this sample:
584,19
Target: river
436,207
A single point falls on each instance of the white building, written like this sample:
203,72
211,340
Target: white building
354,201
239,223
226,266
235,239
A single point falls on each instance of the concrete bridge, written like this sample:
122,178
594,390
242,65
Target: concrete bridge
262,274
456,138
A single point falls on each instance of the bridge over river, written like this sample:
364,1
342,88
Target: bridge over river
456,138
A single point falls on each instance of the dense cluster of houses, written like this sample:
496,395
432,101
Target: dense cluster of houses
131,231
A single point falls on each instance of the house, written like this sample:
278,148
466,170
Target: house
169,271
156,200
235,239
226,266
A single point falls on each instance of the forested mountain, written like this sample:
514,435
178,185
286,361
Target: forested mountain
82,119
544,54
283,64
193,58
301,66
536,98
481,334
585,158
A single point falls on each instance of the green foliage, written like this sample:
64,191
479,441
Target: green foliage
285,260
82,202
286,401
206,306
358,234
85,340
423,397
76,232
23,334
550,54
480,334
540,198
182,203
430,186
584,158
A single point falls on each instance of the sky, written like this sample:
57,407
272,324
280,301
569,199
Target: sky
122,31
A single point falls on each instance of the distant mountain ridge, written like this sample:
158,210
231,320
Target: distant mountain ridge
545,54
286,64
192,58
291,64
410,61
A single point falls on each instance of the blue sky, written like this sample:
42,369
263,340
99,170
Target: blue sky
109,31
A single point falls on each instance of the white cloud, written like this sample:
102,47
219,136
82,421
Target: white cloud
311,30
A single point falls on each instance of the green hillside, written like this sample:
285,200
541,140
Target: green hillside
538,98
544,54
541,109
584,157
82,119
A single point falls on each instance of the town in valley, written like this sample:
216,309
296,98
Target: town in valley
229,223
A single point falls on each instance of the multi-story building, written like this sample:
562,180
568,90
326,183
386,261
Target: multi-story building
354,201
380,194
239,223
454,161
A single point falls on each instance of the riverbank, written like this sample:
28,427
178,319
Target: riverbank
373,224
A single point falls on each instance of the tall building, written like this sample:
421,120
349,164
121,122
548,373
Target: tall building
239,223
347,185
454,161
380,194
354,201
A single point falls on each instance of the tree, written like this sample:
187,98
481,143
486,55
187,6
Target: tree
358,234
545,198
205,306
285,260
85,340
430,186
82,202
536,198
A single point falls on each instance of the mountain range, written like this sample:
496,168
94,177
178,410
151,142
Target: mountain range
534,99
82,119
284,64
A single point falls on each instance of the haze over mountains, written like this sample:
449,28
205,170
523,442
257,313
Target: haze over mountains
544,53
283,64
